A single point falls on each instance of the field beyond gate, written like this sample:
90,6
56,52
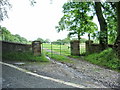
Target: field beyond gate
62,49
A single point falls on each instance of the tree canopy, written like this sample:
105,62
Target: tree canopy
77,18
7,36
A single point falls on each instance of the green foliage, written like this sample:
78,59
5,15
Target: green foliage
77,19
7,36
109,11
47,41
62,41
43,41
106,58
82,40
40,39
23,56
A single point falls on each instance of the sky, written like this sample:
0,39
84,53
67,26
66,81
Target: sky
38,21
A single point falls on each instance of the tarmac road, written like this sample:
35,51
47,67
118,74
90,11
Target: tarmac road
13,78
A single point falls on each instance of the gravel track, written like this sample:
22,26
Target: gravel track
80,72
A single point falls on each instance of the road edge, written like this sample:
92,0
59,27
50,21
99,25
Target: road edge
44,77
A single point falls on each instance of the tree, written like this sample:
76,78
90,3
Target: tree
117,42
62,41
91,28
106,13
7,36
66,40
47,41
113,15
76,19
40,39
109,12
103,26
5,5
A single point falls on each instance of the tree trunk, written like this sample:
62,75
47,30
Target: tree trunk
89,36
117,42
118,19
79,36
103,26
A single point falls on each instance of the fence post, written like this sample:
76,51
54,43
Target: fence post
42,48
60,48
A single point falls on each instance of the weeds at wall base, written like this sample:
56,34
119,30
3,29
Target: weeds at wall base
23,56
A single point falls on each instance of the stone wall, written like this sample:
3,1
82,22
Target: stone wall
15,47
117,48
94,48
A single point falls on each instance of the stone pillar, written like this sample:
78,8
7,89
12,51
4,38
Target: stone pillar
88,46
36,48
75,49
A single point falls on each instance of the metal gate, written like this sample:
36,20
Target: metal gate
61,49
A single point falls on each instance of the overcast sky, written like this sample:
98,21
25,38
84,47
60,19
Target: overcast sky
38,21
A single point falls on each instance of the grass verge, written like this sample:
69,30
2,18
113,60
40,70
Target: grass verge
24,56
58,57
106,58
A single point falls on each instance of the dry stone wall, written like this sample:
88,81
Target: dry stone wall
94,48
14,47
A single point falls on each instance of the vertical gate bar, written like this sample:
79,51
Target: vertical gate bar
69,48
51,49
80,47
60,48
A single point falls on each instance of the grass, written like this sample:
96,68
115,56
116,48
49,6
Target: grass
58,57
106,58
23,56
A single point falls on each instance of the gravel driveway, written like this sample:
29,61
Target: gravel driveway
80,72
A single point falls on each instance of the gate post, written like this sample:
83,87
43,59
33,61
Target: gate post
75,49
36,48
88,46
